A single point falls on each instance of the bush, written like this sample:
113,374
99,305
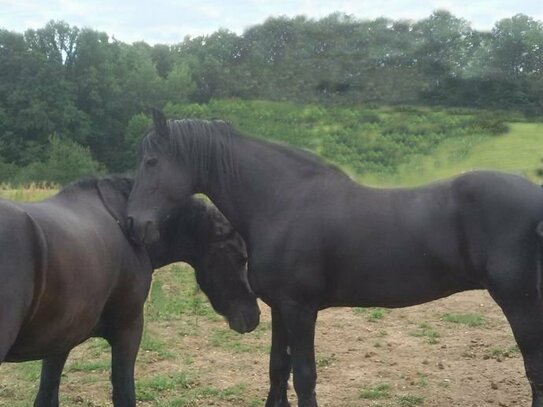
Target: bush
7,171
492,123
66,161
135,130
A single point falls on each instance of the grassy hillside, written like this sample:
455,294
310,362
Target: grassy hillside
379,145
519,151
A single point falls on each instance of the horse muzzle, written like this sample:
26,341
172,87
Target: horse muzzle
145,232
244,321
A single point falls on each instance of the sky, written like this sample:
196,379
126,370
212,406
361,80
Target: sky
169,21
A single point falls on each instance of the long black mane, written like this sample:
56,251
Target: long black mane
205,146
202,145
123,184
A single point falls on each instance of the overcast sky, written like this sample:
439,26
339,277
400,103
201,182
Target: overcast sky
169,21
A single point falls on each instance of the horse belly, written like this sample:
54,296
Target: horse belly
54,332
396,275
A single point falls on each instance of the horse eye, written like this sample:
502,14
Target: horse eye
151,161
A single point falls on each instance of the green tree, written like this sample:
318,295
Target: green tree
517,47
66,161
178,85
444,44
132,136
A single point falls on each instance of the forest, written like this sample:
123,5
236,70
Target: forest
75,101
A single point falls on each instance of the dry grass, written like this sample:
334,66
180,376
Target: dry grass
29,192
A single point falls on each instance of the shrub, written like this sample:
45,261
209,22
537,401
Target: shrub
492,123
7,171
66,161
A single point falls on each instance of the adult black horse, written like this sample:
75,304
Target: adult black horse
69,272
317,239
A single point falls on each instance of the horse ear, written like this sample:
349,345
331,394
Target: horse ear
159,121
114,201
221,227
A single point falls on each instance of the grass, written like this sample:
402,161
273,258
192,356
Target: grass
150,389
29,192
470,320
519,151
502,353
425,330
89,366
165,303
165,390
380,391
410,400
325,361
373,314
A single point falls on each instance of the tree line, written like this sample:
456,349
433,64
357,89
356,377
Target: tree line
63,87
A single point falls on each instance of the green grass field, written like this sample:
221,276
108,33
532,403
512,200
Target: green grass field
519,151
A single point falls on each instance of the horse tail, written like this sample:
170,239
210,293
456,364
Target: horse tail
39,247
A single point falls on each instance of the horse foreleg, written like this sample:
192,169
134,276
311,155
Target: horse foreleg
280,363
300,324
526,319
125,342
51,370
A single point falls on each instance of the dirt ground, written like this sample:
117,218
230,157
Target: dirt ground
424,359
457,351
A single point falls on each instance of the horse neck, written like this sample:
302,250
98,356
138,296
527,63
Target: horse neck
260,188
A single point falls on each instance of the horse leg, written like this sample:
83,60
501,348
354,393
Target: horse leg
51,369
125,342
12,313
526,319
8,334
300,323
280,363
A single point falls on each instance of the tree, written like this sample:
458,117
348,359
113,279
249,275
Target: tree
66,161
517,48
132,136
178,85
444,45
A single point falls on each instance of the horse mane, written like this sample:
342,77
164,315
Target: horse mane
123,184
205,147
307,157
205,154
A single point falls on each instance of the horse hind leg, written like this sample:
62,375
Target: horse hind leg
10,324
15,299
526,319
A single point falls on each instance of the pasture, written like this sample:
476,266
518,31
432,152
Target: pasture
458,351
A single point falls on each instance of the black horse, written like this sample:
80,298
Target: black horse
317,239
69,273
